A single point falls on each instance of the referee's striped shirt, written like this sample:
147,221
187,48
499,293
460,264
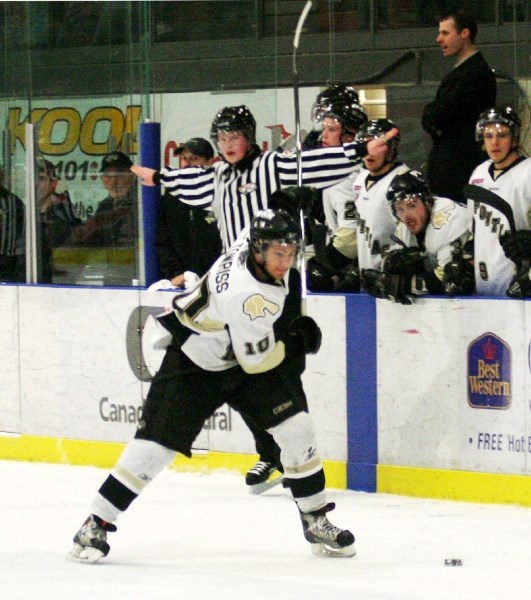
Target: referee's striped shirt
236,194
11,224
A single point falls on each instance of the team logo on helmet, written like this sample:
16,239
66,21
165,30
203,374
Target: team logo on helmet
256,306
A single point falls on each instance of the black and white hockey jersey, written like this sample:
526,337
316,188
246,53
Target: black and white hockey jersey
493,270
233,314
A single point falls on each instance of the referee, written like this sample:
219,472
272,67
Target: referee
240,184
11,235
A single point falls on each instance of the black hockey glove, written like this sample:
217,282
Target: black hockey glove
386,286
404,261
349,282
458,278
373,282
304,336
292,200
521,284
517,245
335,258
319,277
286,198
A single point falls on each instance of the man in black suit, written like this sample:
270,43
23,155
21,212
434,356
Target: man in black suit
468,90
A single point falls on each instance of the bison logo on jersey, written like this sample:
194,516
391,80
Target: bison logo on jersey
440,218
255,306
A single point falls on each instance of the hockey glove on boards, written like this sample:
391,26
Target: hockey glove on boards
517,245
458,278
294,199
404,261
521,284
386,286
304,337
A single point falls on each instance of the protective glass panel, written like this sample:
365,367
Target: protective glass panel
88,73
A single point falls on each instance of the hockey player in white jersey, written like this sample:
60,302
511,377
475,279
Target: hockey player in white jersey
368,221
501,257
430,240
226,349
339,115
240,185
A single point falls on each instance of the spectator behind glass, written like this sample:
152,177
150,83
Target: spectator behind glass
114,226
58,217
188,236
12,243
56,208
450,119
430,237
115,220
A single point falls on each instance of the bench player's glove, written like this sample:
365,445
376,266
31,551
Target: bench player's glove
349,282
404,261
521,284
517,245
304,336
319,277
458,278
294,199
386,286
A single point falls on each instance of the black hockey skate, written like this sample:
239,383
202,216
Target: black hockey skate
259,478
90,542
325,538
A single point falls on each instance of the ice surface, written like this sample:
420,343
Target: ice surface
199,536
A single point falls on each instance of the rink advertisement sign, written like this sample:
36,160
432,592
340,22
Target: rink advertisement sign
75,134
489,373
464,401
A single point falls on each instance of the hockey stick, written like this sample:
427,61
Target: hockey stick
398,241
302,263
260,488
296,39
481,194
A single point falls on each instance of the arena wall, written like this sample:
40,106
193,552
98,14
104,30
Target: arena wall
429,400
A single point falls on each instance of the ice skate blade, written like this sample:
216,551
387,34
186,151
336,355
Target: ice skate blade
85,555
328,551
260,488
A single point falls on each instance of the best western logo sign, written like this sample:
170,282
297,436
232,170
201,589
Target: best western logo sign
489,373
